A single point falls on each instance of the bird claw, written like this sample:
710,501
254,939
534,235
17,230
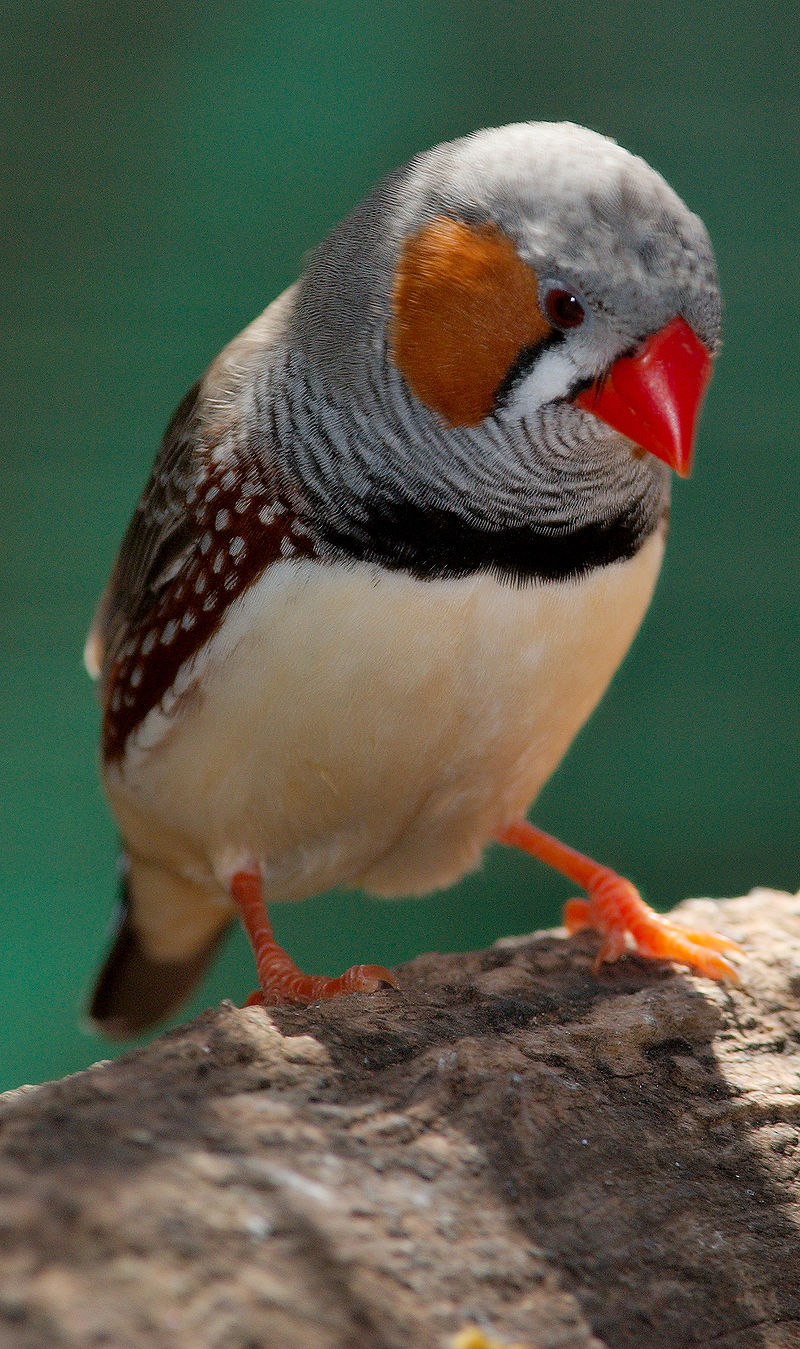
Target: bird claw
617,911
660,938
358,979
302,989
625,922
280,979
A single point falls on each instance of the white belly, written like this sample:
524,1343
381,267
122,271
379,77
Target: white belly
351,726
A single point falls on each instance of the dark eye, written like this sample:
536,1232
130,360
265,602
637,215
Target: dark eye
563,308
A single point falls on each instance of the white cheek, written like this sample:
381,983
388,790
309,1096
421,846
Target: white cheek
552,376
580,357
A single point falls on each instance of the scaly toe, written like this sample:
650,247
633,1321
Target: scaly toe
668,941
703,961
710,939
360,979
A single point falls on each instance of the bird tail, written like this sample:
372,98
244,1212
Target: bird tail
166,932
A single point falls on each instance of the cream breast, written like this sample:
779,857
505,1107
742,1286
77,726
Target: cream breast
348,725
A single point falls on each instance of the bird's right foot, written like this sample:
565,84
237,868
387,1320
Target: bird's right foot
279,978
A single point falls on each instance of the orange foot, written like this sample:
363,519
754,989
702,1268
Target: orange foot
279,978
617,911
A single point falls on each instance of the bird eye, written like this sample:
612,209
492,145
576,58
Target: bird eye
563,308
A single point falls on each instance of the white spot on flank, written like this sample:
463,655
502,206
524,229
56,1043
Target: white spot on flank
300,529
223,519
183,679
115,700
216,565
205,542
149,642
136,677
287,547
209,602
191,496
212,492
231,581
268,513
200,583
236,546
228,480
242,505
188,620
168,634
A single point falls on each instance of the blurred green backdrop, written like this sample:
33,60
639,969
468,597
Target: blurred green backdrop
165,167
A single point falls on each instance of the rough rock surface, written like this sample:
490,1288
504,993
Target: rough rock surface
507,1143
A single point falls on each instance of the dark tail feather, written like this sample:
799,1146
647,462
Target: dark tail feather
133,991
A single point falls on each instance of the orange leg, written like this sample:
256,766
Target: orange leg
280,979
617,911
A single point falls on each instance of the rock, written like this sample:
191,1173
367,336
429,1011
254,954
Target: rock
508,1150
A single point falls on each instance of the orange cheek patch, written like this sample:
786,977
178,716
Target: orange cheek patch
464,305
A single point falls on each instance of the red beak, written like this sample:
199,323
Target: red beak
654,396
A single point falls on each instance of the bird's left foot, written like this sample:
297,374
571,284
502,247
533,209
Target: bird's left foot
617,911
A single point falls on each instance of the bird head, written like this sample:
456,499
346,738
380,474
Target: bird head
518,266
531,302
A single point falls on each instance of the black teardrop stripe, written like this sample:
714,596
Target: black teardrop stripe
436,544
523,365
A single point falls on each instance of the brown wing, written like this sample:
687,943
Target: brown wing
206,527
211,518
159,534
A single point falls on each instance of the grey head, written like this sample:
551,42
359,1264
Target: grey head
380,466
579,209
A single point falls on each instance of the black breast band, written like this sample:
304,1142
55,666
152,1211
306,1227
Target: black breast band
432,543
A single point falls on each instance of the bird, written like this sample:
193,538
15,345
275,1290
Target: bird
394,545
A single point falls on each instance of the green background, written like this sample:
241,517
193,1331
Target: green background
165,167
